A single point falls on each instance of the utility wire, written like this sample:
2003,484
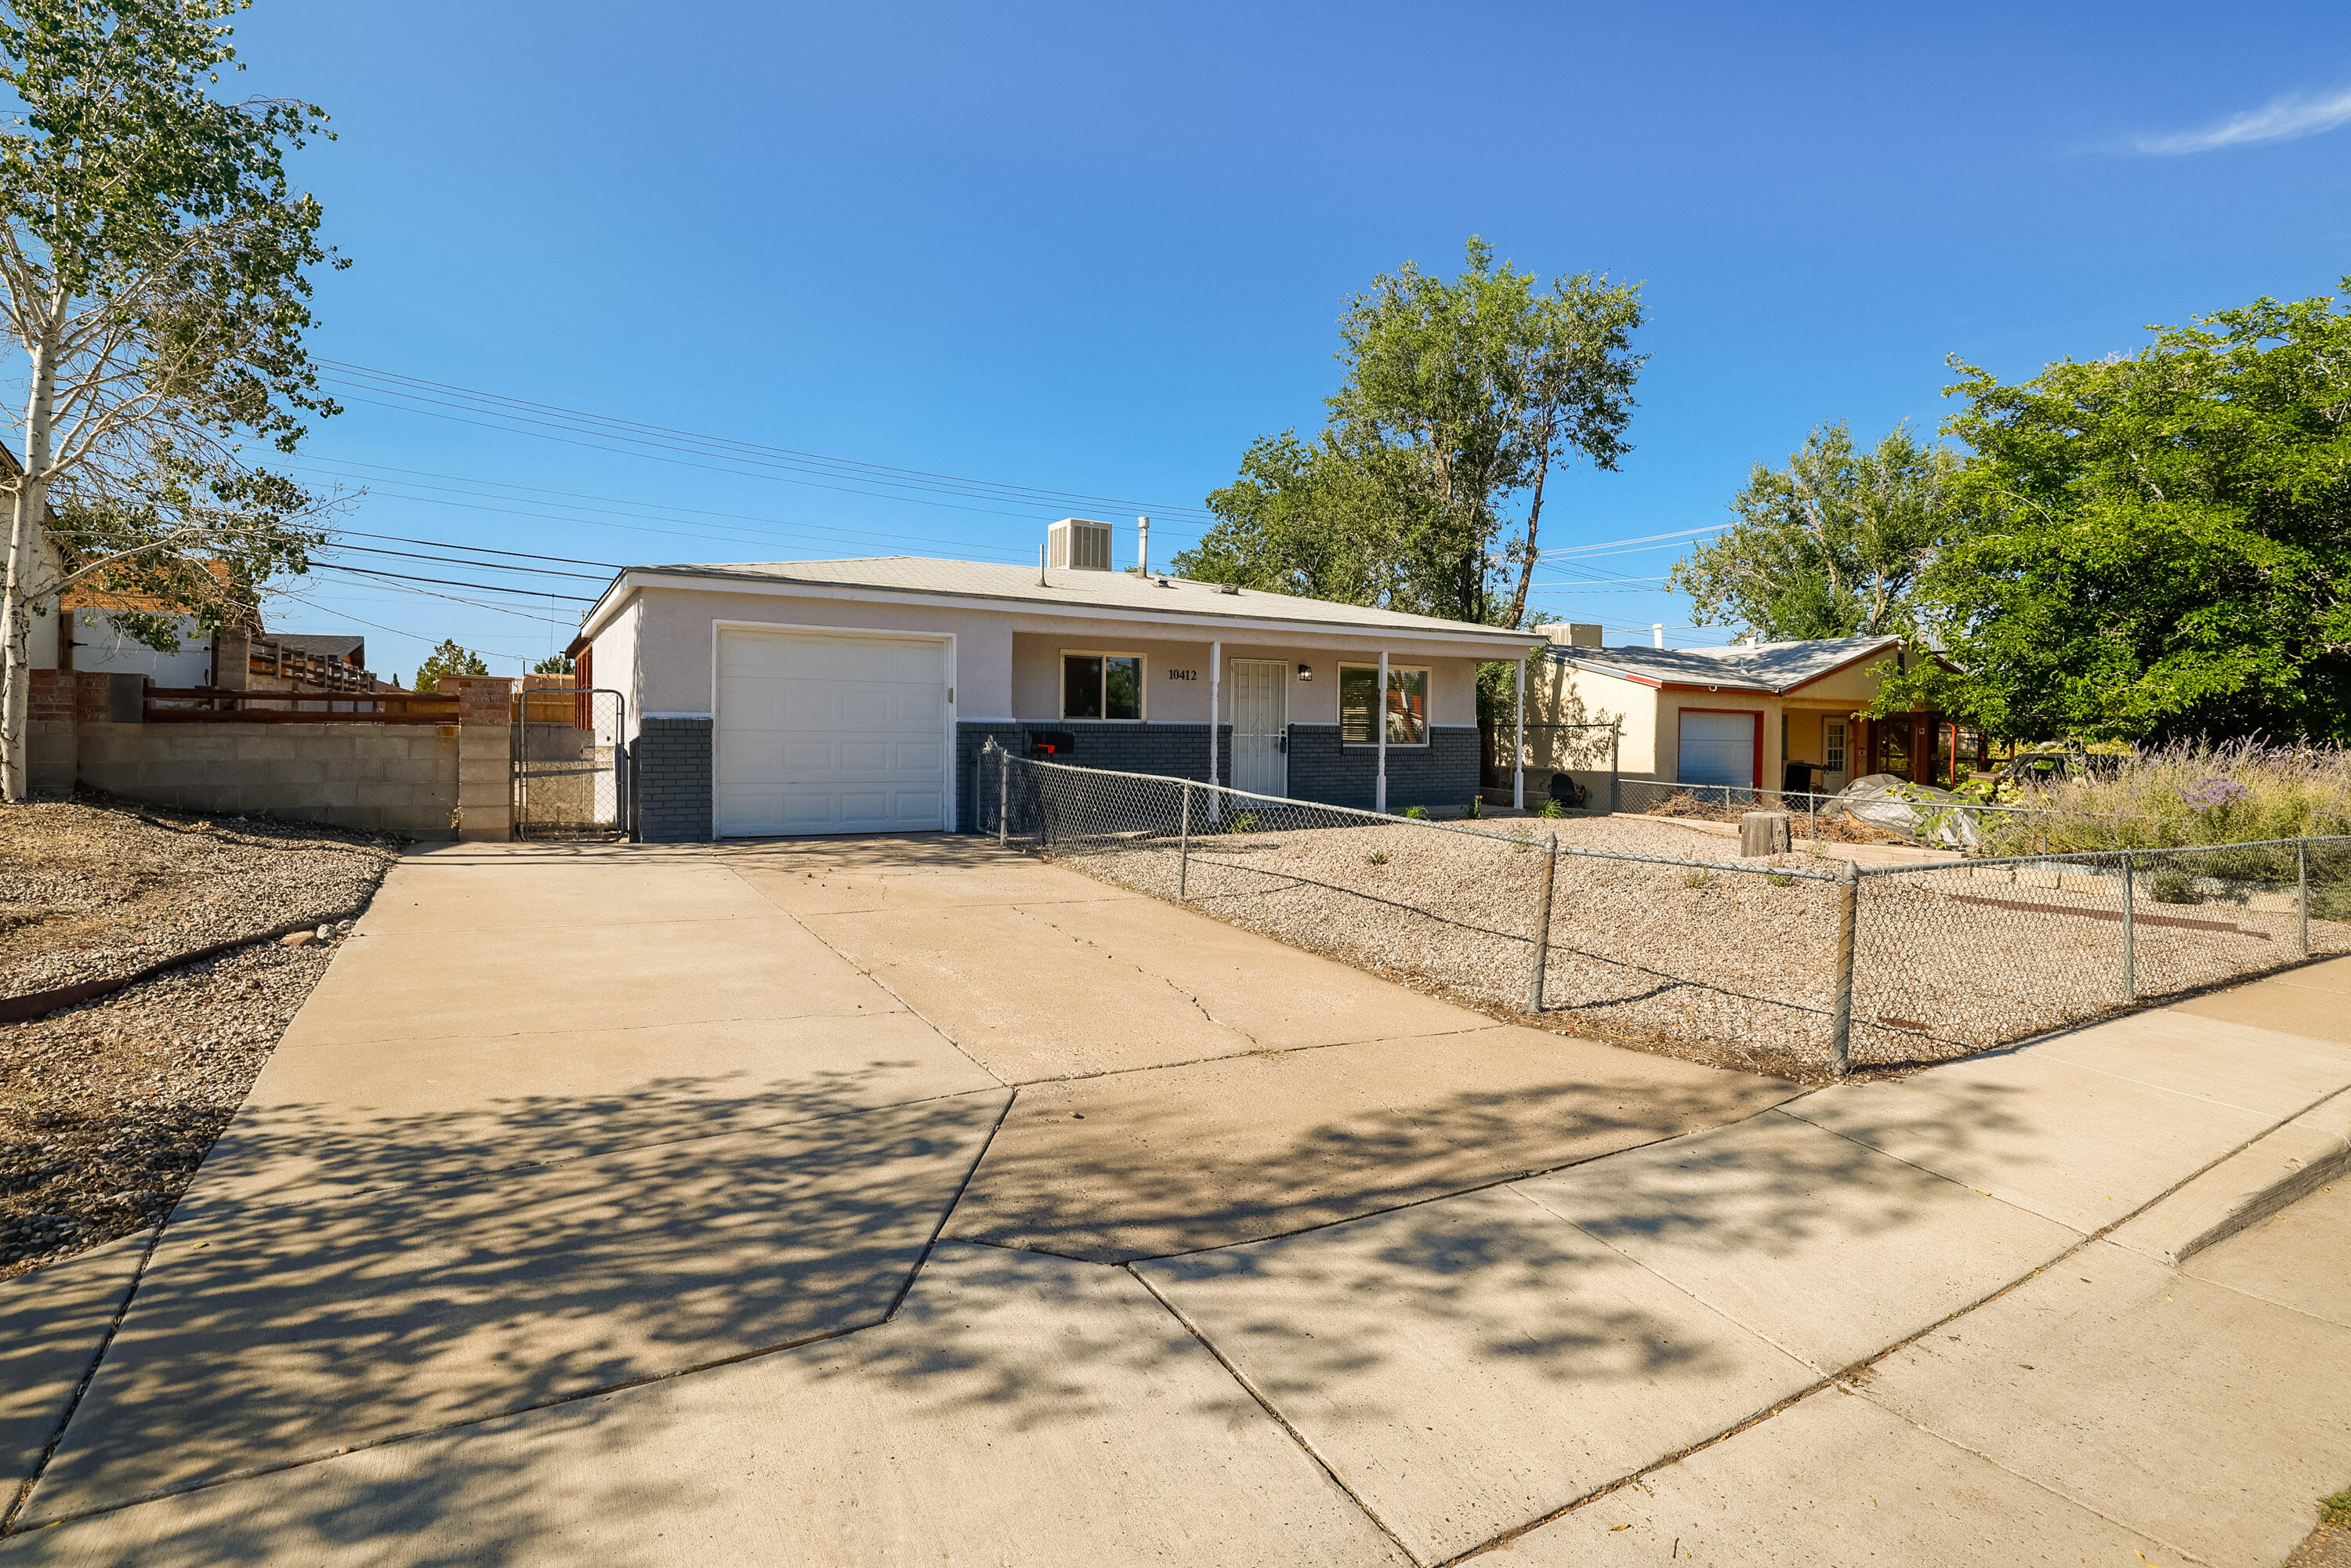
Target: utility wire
767,462
447,582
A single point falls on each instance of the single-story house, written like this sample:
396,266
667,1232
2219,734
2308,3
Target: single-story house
1761,716
838,697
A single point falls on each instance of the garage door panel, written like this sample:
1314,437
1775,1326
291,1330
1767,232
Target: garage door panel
830,734
1717,748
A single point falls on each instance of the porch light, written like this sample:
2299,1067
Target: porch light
1305,673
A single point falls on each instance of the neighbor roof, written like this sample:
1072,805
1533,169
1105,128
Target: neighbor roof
1773,667
1017,586
326,644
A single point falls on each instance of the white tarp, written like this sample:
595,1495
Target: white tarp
1895,805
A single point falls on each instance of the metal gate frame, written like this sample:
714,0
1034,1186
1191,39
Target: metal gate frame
584,797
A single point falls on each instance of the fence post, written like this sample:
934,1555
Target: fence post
1616,750
1541,954
2302,889
1183,849
2130,936
1840,1010
1003,792
1813,810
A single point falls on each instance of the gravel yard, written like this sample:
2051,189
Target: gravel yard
106,1109
91,890
1735,967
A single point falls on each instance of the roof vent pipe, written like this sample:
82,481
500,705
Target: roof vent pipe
1142,547
1657,633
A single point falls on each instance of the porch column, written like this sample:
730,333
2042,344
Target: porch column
1380,735
1216,679
1519,752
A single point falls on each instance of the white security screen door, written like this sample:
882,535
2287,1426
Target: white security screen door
1718,748
1261,726
1834,775
821,733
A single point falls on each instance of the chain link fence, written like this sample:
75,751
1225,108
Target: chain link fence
1789,963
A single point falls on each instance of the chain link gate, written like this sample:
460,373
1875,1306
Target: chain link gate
569,762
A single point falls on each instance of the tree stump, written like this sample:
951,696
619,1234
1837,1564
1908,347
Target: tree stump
1762,833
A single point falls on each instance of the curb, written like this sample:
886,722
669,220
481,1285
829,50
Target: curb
35,1004
2282,1166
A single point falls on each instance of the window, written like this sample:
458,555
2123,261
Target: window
1833,738
1408,704
1101,685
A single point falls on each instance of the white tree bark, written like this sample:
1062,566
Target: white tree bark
27,583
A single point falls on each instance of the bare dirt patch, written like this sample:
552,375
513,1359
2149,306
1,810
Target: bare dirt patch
93,889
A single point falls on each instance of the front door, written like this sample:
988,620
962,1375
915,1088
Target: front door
1834,773
1261,726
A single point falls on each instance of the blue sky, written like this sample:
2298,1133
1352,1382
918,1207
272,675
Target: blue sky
1095,249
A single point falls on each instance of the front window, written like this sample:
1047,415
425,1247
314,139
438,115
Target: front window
1408,704
1101,685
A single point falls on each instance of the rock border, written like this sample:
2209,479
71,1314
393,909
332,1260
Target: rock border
38,1004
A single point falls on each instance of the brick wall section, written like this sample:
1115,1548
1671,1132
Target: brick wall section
670,776
378,778
1170,750
93,695
485,755
51,693
1444,773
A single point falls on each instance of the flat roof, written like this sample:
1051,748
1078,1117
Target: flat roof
1017,588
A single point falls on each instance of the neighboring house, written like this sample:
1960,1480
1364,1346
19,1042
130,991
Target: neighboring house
1742,715
833,696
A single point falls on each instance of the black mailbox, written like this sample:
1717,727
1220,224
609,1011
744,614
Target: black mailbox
1059,743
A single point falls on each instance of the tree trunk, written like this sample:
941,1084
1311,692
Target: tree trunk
22,586
1534,518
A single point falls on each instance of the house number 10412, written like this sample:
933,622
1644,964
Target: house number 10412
1182,674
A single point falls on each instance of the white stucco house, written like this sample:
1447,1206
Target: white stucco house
838,697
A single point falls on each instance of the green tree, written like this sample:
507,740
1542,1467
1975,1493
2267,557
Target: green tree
1830,546
553,665
1314,518
448,659
153,269
1460,395
2167,552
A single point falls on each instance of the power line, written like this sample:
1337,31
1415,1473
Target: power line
520,412
447,582
490,564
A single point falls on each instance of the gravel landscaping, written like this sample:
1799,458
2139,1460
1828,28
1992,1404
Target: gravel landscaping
1733,967
93,890
107,1109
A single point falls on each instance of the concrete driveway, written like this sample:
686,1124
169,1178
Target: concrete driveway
847,1203
565,1122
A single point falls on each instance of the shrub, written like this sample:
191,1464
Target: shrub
1779,879
1240,822
1379,857
1549,808
1475,809
1696,876
2242,792
1417,813
2173,888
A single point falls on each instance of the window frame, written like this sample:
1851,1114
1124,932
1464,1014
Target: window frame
1428,693
1142,685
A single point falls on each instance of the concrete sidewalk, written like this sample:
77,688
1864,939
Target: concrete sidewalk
1252,1266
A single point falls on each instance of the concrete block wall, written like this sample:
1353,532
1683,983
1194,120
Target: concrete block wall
386,778
670,774
485,755
1443,773
50,752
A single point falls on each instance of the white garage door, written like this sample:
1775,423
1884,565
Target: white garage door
1718,748
819,733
